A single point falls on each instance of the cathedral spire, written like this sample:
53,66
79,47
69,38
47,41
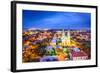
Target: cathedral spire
68,38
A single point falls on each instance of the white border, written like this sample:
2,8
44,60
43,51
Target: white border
35,65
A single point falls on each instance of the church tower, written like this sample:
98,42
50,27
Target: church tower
68,38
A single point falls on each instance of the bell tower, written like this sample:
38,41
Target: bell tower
68,38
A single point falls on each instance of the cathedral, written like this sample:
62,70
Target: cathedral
66,38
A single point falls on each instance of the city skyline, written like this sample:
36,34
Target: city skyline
33,19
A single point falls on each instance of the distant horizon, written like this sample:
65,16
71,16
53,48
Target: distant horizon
55,20
57,29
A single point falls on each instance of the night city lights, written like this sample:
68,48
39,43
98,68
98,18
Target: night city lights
55,36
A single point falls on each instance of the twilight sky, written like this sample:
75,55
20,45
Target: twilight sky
55,20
